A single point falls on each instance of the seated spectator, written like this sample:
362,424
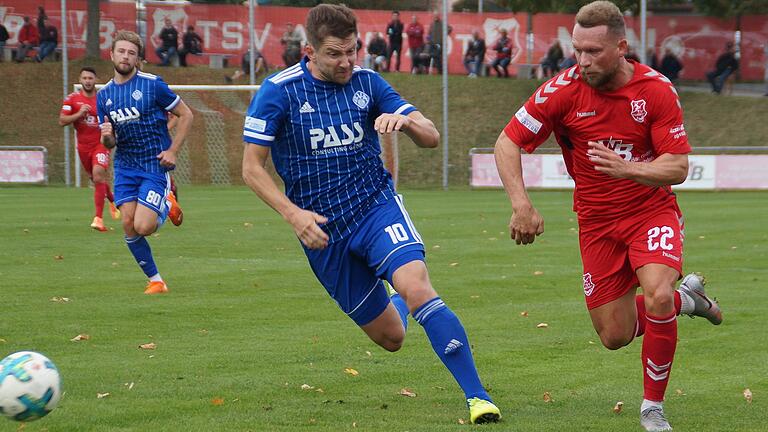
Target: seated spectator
422,58
377,53
503,50
3,39
475,55
670,66
259,66
169,43
550,65
49,38
191,43
725,65
28,38
292,41
568,62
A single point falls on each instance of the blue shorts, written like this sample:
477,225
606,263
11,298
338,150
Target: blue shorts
148,189
352,269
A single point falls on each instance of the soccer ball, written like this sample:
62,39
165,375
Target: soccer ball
30,386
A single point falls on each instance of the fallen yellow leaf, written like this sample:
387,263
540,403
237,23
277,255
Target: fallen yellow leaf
80,337
217,401
748,395
407,392
58,257
101,395
148,346
542,325
306,387
547,397
462,421
454,264
351,371
538,273
617,407
524,314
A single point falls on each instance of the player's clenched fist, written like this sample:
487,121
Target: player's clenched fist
388,123
107,133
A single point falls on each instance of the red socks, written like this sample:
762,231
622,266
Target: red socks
641,318
100,191
659,345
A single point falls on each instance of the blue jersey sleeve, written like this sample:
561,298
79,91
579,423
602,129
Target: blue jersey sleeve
165,98
387,99
265,115
101,110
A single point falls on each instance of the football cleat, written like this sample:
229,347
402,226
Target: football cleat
653,420
158,287
98,224
114,211
482,411
175,214
703,306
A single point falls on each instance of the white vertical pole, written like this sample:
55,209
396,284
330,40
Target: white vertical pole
480,6
643,41
445,94
65,83
251,42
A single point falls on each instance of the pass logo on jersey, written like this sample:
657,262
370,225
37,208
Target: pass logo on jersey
330,136
125,114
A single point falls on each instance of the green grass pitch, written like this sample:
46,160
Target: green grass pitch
246,324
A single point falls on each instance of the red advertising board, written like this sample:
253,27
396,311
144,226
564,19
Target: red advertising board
224,28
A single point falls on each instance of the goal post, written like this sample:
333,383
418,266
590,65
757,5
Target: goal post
212,151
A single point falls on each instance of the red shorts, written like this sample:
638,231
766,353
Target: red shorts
96,155
612,251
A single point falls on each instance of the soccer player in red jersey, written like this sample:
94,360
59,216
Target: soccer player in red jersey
620,127
79,110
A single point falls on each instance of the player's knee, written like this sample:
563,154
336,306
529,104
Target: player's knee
614,340
660,301
392,342
144,228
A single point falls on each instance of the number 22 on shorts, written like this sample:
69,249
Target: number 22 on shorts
658,236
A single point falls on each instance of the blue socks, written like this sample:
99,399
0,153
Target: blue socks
449,340
402,309
139,247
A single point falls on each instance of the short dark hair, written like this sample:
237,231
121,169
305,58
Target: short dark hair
604,13
88,69
330,20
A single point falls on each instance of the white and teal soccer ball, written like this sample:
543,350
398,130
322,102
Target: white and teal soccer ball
30,386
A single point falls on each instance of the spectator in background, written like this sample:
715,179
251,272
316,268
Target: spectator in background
725,65
191,43
169,43
259,66
503,50
49,38
395,36
28,37
415,32
568,61
291,42
670,66
652,59
41,17
422,58
475,55
550,65
377,53
3,39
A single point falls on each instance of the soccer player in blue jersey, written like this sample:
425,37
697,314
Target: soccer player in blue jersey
132,110
320,118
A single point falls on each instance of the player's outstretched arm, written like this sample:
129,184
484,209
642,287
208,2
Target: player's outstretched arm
526,223
67,119
667,169
419,128
305,223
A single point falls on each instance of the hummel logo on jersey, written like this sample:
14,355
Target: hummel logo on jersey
586,114
306,108
453,345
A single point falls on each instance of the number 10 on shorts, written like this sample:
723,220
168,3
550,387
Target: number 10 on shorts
396,233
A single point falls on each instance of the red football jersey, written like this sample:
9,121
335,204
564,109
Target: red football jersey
640,121
87,126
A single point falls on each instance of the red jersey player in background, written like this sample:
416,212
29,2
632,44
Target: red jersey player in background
620,127
79,109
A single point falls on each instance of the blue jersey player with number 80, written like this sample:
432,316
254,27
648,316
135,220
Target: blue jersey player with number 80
132,115
320,119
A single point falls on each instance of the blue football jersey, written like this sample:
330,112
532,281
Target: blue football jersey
137,110
323,143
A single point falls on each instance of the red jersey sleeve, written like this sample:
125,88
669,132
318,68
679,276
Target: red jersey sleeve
667,129
67,107
535,120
